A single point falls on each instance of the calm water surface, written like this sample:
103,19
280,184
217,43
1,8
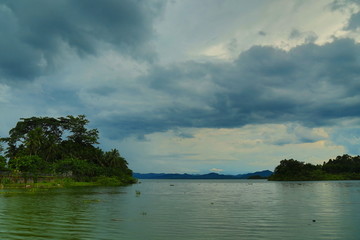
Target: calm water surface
186,209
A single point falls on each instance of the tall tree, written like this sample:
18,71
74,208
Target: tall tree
77,127
31,135
61,145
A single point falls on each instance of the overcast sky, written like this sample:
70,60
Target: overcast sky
192,86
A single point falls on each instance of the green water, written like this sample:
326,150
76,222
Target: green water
185,209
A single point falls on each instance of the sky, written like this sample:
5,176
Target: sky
189,86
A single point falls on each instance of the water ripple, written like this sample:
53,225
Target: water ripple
186,210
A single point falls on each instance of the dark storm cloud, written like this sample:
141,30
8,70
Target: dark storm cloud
310,84
33,33
354,22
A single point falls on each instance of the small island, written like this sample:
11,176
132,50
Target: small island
343,167
59,152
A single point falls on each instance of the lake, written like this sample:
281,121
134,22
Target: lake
185,209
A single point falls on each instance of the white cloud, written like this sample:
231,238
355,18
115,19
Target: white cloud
216,170
194,30
237,150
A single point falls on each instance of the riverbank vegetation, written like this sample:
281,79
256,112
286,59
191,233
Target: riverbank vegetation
55,149
60,182
343,167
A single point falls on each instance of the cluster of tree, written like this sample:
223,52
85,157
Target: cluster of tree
343,167
60,146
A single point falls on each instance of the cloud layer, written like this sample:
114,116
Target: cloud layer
36,34
158,72
310,84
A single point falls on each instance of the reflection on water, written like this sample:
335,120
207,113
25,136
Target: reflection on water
185,209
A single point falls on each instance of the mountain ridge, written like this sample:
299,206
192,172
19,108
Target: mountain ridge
211,175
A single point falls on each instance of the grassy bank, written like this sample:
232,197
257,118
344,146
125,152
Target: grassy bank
69,182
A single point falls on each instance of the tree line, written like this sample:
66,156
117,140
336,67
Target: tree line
343,167
60,146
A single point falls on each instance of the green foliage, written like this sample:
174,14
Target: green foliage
28,166
80,135
3,163
33,164
108,181
1,146
114,165
63,146
33,136
5,180
341,168
343,164
78,168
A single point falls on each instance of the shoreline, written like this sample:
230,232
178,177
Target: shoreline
68,182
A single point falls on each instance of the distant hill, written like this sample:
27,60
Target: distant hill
254,175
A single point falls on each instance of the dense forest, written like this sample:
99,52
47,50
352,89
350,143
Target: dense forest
61,146
343,167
